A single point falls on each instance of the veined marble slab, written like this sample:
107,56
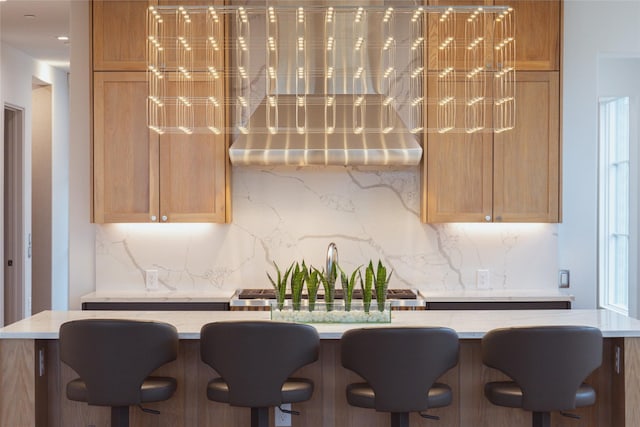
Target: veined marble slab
468,323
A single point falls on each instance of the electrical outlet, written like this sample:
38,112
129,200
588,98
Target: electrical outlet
482,279
151,279
283,419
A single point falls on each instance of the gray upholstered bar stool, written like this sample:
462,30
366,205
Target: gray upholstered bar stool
548,366
114,359
254,360
400,367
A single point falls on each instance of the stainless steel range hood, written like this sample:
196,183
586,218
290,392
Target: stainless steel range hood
346,143
334,78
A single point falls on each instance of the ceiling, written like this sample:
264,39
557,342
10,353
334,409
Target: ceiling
36,35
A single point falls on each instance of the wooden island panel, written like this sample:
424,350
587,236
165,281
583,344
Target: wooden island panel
328,406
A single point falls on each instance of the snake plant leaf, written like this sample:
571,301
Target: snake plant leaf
280,285
297,283
367,286
313,282
348,285
382,284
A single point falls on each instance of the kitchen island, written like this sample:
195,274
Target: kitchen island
33,380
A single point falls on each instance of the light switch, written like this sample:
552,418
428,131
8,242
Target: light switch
563,279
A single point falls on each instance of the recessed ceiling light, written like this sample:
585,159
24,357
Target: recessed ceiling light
63,38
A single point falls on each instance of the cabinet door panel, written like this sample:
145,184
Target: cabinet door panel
193,178
193,169
460,38
120,35
537,33
526,179
125,153
458,168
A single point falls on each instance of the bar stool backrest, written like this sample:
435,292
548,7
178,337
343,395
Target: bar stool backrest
255,358
548,363
400,364
113,356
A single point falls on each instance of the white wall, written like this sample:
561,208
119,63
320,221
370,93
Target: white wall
17,72
591,29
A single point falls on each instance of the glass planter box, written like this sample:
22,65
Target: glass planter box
335,312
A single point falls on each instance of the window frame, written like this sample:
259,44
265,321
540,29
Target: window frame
614,199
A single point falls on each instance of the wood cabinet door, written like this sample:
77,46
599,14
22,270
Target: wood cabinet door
457,167
193,167
437,58
526,158
125,152
120,35
192,180
538,24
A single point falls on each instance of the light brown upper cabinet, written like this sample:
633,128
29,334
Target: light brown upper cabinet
511,176
125,152
432,37
537,33
527,158
538,25
193,170
140,176
458,173
120,35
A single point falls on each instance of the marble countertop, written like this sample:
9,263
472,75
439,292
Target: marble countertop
468,323
220,295
224,295
496,295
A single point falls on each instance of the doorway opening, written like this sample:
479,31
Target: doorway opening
14,304
40,241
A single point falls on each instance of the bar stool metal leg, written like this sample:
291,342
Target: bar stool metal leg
120,416
259,417
541,419
399,419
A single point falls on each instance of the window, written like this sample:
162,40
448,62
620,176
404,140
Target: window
613,239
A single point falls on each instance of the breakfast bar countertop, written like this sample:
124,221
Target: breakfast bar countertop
470,324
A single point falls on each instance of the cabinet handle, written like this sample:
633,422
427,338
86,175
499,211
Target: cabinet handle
487,218
154,218
164,218
498,218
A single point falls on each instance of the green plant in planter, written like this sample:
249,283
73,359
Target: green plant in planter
328,280
313,283
280,285
367,286
297,283
348,284
382,284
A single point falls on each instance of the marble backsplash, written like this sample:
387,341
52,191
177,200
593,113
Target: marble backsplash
284,214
